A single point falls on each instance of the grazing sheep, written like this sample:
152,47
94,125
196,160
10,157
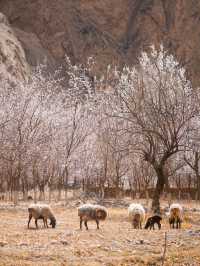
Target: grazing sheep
89,212
153,220
176,215
136,214
41,211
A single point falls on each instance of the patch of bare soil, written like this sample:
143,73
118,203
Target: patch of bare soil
116,243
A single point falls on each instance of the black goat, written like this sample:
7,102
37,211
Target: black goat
153,220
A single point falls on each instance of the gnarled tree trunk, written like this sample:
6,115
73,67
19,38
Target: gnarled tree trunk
159,189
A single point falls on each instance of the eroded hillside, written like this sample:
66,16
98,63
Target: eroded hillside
12,57
113,31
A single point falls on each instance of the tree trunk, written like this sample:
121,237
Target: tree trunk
7,195
66,190
41,191
50,193
169,198
196,166
41,195
35,195
147,196
25,195
167,186
83,184
102,191
35,191
60,186
198,186
179,194
66,179
117,190
59,194
11,195
15,199
73,193
158,190
16,190
25,187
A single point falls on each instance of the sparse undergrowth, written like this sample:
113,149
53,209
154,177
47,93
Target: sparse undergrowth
116,243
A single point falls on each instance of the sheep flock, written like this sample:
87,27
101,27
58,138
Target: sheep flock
137,215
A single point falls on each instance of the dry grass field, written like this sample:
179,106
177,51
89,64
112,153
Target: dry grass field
116,243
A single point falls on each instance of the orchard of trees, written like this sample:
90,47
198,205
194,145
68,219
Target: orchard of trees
136,128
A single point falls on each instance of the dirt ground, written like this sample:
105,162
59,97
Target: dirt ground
116,243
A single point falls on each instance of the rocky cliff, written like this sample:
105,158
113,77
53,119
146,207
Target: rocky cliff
12,57
113,31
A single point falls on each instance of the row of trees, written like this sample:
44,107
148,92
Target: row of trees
139,126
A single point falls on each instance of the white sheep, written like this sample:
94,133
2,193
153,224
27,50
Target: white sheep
89,212
41,211
136,213
175,215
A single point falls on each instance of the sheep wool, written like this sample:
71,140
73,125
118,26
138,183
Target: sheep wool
136,213
89,212
175,215
41,211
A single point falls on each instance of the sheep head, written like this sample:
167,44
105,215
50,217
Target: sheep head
175,212
101,214
53,222
136,220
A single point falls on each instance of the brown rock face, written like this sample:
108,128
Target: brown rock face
113,31
12,57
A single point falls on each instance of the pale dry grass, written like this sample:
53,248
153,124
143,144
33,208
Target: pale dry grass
116,243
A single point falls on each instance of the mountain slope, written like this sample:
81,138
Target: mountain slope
113,31
12,57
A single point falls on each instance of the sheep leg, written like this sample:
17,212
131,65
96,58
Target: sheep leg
97,222
159,226
45,222
173,225
86,225
149,227
179,224
140,225
81,223
36,223
30,217
170,225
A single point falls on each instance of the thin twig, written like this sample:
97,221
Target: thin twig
164,251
